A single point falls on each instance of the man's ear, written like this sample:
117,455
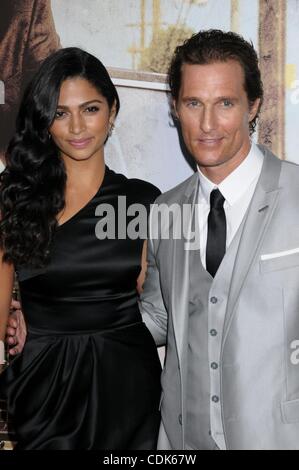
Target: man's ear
253,108
175,110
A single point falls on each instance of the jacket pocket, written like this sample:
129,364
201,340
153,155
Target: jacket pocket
278,263
290,411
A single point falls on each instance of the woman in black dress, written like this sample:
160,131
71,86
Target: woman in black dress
89,374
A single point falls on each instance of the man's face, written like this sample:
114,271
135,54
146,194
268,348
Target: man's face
214,114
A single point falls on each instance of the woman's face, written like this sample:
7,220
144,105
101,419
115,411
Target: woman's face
82,120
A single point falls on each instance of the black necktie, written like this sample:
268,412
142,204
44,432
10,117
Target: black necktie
216,241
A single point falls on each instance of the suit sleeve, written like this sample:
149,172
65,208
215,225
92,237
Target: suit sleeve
151,301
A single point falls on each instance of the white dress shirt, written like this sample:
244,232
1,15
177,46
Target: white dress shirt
237,190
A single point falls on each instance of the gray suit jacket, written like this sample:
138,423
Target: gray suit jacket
259,362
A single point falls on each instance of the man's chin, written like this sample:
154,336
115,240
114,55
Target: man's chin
209,163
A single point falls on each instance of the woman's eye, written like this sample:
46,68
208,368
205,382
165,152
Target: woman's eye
59,114
92,109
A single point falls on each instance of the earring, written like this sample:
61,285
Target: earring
112,127
49,136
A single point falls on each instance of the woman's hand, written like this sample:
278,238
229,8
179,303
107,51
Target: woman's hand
16,330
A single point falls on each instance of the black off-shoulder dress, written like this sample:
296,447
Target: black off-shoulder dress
89,374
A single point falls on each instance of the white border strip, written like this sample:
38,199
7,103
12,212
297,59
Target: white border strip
279,254
2,353
140,84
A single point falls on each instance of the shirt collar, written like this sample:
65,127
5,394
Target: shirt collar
236,183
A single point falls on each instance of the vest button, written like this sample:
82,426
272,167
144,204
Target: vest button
215,399
213,332
214,300
214,365
180,419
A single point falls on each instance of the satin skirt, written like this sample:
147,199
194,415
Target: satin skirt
97,390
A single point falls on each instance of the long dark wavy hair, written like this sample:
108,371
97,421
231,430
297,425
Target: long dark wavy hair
32,186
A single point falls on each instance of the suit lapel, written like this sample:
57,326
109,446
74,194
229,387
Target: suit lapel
180,268
258,217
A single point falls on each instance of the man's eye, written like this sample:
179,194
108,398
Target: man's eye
193,104
227,103
92,109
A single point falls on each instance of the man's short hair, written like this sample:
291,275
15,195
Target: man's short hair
207,47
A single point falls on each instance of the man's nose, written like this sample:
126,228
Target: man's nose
208,120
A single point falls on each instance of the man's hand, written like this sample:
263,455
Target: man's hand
16,331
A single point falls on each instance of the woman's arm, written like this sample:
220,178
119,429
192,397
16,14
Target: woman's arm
141,277
6,287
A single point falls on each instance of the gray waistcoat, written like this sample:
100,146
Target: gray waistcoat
207,307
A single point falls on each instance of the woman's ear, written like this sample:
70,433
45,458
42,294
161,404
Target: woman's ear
112,113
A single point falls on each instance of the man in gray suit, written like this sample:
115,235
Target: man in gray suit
227,306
